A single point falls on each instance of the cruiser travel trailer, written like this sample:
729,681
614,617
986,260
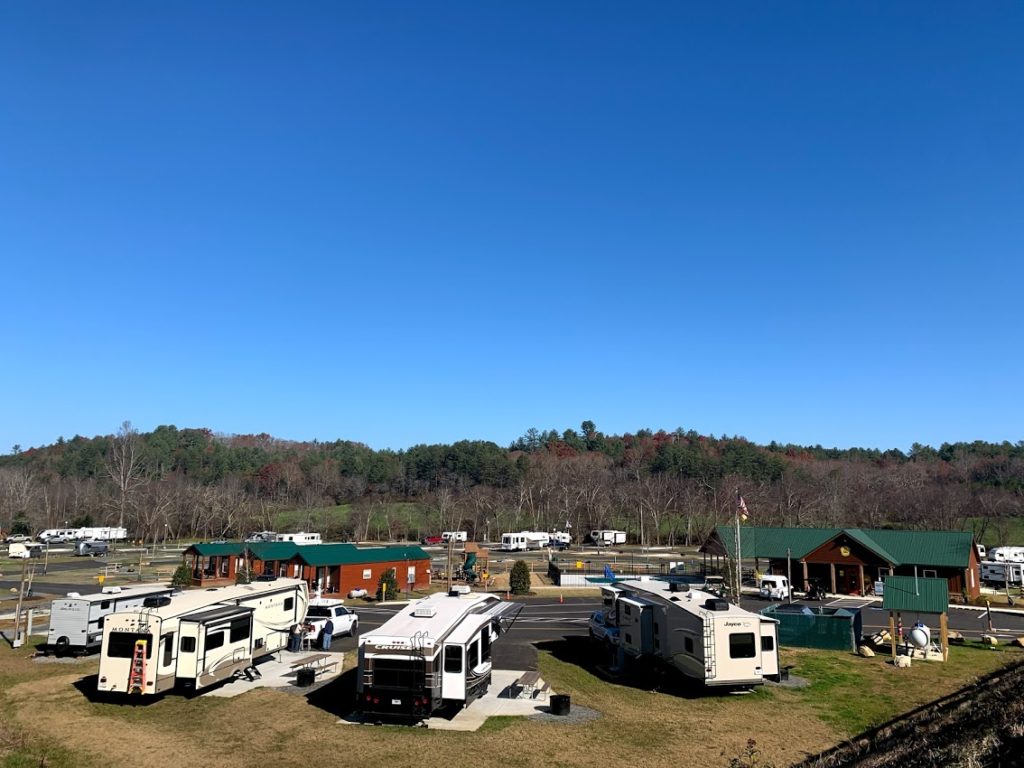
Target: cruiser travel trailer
76,621
198,638
435,651
524,540
606,538
703,636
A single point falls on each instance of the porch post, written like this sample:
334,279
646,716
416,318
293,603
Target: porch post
892,634
832,571
860,568
807,583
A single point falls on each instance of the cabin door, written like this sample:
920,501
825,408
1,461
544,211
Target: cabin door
453,672
769,649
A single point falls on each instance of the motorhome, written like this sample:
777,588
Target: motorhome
76,621
198,638
301,537
701,635
606,538
1006,554
435,652
1002,574
456,536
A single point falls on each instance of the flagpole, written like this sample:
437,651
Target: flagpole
739,555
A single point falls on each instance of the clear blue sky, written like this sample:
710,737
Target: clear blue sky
421,222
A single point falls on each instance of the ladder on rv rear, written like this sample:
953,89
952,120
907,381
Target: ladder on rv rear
137,672
710,665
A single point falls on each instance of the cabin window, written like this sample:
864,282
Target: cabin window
688,644
104,605
168,649
473,656
452,658
240,629
214,640
742,646
929,574
188,645
767,644
366,574
289,603
122,645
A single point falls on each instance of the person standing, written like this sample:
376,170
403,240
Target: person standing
325,641
295,638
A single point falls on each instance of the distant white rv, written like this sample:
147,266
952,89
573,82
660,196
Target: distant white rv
447,536
301,537
59,535
76,621
1006,554
607,538
524,540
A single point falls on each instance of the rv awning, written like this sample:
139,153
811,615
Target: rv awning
216,614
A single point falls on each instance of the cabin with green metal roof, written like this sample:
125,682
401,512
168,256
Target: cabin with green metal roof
334,569
850,561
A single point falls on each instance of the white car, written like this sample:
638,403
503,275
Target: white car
321,609
16,538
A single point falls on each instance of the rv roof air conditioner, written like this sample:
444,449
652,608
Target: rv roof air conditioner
425,612
716,605
458,591
678,586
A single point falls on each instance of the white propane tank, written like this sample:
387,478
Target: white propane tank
920,635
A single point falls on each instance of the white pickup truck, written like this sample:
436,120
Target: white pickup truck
321,609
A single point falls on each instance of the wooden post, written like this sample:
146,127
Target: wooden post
832,571
807,583
860,569
944,635
892,634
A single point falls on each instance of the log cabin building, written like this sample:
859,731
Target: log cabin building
849,561
335,568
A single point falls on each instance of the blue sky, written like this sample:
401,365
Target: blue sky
417,222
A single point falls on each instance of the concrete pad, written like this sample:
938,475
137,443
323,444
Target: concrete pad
276,672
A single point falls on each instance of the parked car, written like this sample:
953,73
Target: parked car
346,622
774,587
432,540
600,630
16,538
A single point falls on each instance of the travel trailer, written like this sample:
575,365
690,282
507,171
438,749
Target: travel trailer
299,538
608,538
524,540
1006,554
1002,573
703,636
91,547
76,621
58,535
197,638
456,536
434,652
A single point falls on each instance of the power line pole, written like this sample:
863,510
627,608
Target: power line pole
18,640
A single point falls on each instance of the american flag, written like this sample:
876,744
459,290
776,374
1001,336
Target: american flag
741,507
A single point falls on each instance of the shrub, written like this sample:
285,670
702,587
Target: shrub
519,579
243,575
182,577
387,587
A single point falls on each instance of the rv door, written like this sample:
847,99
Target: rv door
769,649
453,672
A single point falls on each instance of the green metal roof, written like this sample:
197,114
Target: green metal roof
348,554
906,593
935,548
205,549
273,550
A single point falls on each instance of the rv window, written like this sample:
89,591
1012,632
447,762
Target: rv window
742,646
452,658
99,622
289,603
216,640
473,656
122,645
168,649
688,644
485,644
240,629
767,644
398,673
104,605
188,645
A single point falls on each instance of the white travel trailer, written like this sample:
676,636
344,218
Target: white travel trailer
1006,554
434,652
703,636
606,538
299,538
198,638
514,542
57,535
1002,573
76,621
447,536
561,539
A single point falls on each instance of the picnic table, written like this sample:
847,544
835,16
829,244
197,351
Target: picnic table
531,685
318,662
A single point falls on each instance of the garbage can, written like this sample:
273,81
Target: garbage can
305,677
560,704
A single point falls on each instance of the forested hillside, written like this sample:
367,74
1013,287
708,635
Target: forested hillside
662,487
